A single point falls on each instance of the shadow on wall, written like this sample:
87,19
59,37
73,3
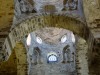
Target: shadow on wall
9,67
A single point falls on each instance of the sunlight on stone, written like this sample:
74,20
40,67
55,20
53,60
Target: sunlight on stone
28,41
64,39
73,37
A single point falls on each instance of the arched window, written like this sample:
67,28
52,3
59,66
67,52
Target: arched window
28,40
36,56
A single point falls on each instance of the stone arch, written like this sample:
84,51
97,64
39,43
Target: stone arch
65,21
38,21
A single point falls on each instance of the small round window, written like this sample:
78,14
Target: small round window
39,40
28,41
64,39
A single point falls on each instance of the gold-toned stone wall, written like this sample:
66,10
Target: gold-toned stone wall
6,14
21,59
9,67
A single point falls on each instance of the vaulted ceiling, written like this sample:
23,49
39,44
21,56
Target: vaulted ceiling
91,11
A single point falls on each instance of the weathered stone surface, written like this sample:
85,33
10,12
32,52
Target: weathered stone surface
82,57
48,20
23,7
92,14
39,53
21,59
9,67
6,14
70,17
91,10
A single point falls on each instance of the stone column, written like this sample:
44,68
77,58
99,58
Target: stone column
21,59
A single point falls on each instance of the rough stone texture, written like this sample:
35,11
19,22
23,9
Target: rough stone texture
91,10
95,65
52,35
9,67
17,62
6,14
39,63
23,7
40,5
6,18
21,59
82,58
47,20
38,21
91,31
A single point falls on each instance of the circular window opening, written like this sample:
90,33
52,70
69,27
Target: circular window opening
64,39
39,40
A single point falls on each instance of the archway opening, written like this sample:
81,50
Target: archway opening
58,47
